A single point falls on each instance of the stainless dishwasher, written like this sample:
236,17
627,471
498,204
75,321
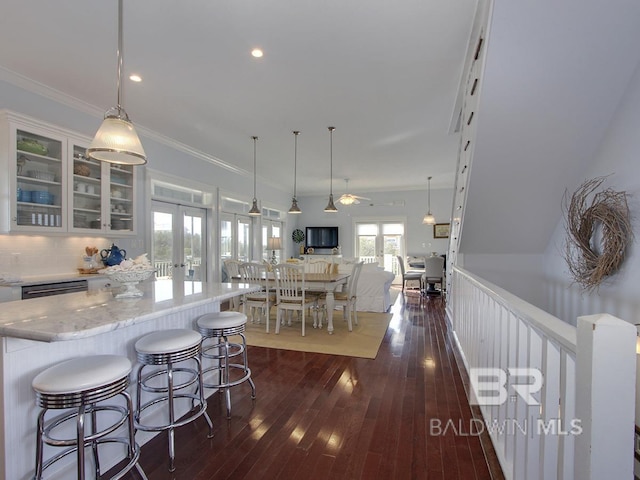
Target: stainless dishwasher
54,288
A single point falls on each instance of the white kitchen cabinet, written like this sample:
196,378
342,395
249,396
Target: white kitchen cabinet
101,195
33,193
51,187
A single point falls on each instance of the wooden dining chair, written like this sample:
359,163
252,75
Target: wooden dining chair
291,293
347,299
232,267
257,302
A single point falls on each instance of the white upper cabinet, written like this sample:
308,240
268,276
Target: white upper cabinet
101,195
51,187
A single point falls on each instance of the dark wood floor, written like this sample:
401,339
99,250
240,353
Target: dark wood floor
320,416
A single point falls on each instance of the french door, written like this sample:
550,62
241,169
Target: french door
381,242
179,247
235,237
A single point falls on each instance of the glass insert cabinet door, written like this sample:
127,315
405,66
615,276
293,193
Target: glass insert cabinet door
40,172
86,198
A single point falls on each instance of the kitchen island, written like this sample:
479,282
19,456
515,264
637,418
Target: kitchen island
41,332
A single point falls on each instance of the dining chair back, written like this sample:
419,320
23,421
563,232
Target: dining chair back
348,298
262,301
232,268
317,266
291,293
411,275
433,273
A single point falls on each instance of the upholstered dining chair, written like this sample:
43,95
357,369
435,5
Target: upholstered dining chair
433,273
407,276
347,298
291,293
262,301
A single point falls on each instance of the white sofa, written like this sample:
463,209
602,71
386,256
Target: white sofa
373,284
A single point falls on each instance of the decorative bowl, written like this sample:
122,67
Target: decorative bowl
129,279
32,146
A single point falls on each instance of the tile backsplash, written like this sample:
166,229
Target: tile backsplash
26,255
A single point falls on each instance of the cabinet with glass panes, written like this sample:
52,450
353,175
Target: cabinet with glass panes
51,186
103,194
34,160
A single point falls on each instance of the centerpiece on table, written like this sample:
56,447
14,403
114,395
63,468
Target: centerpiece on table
129,273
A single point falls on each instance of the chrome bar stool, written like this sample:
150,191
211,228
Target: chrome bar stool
220,326
80,386
167,348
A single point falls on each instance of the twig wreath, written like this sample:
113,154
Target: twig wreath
591,259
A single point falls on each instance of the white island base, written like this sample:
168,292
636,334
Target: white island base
41,332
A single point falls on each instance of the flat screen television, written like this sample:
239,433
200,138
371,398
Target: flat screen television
322,237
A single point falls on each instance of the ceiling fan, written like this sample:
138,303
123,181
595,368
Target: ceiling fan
349,198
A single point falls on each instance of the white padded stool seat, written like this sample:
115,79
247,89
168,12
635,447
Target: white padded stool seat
222,320
167,341
80,374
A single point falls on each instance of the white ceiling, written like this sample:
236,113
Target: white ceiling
385,74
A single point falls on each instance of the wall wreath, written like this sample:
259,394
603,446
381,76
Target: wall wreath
598,232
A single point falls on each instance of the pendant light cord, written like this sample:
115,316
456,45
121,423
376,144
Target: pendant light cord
295,160
254,167
120,60
429,196
331,129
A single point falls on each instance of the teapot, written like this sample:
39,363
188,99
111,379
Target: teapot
113,256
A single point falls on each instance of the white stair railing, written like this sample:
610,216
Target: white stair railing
523,371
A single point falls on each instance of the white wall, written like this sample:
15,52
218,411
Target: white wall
618,156
419,237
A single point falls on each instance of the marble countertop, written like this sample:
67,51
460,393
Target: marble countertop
48,278
78,315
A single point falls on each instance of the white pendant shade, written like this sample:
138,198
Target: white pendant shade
429,219
116,141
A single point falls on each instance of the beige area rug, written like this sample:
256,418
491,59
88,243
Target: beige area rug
363,341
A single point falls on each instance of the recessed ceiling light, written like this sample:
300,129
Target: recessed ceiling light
256,52
135,78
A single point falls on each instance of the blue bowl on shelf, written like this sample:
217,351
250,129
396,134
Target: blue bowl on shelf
41,197
24,196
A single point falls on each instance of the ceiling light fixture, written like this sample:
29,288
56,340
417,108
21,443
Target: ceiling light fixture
257,53
135,78
429,219
331,208
255,211
116,140
294,202
349,198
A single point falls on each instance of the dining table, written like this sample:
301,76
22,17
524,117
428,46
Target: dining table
328,283
321,282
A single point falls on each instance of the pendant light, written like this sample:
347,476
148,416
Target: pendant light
116,141
429,219
294,202
255,211
331,208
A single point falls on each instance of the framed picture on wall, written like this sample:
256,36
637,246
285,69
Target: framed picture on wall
441,230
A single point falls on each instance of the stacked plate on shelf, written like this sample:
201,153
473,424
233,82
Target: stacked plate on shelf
44,198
